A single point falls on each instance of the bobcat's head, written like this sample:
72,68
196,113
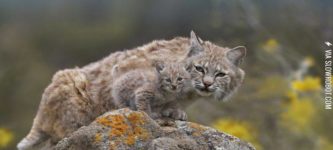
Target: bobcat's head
215,70
173,77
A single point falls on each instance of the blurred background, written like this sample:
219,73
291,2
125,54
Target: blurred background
280,105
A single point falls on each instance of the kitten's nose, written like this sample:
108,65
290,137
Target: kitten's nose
173,87
208,81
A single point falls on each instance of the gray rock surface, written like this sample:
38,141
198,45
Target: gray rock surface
125,129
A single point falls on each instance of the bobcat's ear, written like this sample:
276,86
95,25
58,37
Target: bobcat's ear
236,55
115,69
195,45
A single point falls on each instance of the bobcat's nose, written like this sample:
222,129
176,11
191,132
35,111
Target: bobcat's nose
208,81
173,87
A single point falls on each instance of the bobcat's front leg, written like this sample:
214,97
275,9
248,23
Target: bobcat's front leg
174,111
143,98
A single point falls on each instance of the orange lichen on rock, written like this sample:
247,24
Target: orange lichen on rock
136,118
130,140
98,138
198,128
113,145
127,131
136,133
116,122
110,120
145,134
119,127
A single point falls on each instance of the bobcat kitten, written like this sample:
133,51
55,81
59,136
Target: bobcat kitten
153,90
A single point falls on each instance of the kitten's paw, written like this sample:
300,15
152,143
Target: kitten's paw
167,112
155,115
179,114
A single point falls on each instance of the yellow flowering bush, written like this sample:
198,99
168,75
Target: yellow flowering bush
299,113
307,84
6,137
270,46
240,129
309,61
324,144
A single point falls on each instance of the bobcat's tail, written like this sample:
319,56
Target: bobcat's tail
34,138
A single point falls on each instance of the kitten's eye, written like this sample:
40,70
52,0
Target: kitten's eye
179,79
200,69
168,80
221,74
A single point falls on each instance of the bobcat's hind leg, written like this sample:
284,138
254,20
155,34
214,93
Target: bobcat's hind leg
65,106
35,137
31,140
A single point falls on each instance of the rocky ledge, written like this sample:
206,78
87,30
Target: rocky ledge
125,129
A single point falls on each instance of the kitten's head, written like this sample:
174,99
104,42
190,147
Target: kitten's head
173,77
215,70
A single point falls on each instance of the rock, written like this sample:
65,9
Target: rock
125,129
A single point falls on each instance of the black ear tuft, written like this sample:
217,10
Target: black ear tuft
236,55
195,46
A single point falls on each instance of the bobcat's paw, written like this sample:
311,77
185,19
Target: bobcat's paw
179,114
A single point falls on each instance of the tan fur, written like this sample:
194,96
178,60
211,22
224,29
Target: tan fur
76,96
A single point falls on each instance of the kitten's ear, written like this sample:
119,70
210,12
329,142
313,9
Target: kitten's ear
236,55
159,66
188,66
195,45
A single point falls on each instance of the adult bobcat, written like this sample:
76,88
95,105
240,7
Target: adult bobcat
77,96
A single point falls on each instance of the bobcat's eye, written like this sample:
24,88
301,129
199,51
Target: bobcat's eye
168,80
200,69
179,79
221,74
